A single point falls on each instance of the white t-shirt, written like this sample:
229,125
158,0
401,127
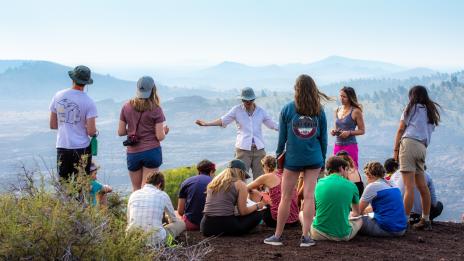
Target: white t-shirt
73,108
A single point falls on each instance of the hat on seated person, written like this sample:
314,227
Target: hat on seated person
93,167
238,164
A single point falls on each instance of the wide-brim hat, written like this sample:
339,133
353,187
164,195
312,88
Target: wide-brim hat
239,164
81,75
145,86
247,94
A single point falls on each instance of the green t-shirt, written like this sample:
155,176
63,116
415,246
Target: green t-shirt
334,195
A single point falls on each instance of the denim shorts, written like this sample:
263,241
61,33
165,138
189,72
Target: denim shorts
149,159
303,168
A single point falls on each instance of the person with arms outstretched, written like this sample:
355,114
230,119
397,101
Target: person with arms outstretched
249,146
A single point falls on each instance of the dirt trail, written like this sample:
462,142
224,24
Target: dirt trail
444,242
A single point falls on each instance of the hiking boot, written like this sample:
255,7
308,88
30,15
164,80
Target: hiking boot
307,241
273,241
423,225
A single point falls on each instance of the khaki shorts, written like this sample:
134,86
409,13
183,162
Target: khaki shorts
355,227
252,159
412,156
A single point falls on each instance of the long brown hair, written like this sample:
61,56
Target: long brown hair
308,97
351,94
148,104
418,95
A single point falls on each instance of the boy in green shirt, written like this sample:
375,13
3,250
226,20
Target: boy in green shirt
334,196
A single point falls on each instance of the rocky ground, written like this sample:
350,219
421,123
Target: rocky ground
444,242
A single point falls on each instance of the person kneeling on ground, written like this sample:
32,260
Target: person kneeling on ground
272,180
192,195
387,204
227,190
146,207
436,207
98,191
334,195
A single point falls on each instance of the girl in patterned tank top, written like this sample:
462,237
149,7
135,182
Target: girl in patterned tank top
270,181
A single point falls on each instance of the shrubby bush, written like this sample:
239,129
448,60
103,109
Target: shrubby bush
53,222
175,177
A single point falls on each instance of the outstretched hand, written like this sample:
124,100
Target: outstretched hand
200,123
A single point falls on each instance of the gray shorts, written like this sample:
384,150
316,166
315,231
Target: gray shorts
371,228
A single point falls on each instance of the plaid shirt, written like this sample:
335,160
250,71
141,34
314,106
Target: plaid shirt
145,210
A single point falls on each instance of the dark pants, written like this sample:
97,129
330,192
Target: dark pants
270,222
229,225
70,161
435,211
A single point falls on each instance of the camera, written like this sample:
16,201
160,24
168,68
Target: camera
131,140
338,132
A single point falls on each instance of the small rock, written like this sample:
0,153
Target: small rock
420,240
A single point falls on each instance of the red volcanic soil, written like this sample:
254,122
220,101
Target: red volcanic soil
444,242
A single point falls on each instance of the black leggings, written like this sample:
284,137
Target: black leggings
270,222
229,225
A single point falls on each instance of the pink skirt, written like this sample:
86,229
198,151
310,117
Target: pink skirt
352,150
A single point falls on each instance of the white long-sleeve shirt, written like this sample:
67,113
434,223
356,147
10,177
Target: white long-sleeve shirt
145,210
249,127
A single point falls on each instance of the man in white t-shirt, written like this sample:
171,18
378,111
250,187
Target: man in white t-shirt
249,145
73,114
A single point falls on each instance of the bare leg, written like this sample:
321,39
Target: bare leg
310,179
136,179
408,180
425,193
289,179
146,172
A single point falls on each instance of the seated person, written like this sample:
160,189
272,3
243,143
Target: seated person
146,207
353,173
98,191
226,191
436,206
192,195
387,204
334,196
271,181
391,166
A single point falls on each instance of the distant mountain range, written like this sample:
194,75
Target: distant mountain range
39,80
230,75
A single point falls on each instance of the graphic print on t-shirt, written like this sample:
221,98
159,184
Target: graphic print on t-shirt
304,127
68,112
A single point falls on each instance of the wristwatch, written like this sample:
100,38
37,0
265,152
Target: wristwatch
257,206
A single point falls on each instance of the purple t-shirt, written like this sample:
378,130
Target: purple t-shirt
146,130
193,190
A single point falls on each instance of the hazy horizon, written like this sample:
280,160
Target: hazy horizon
151,35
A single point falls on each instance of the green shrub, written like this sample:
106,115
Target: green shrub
173,180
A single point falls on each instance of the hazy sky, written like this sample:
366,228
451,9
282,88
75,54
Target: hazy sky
185,33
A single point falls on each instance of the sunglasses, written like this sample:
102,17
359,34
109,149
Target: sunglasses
245,101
